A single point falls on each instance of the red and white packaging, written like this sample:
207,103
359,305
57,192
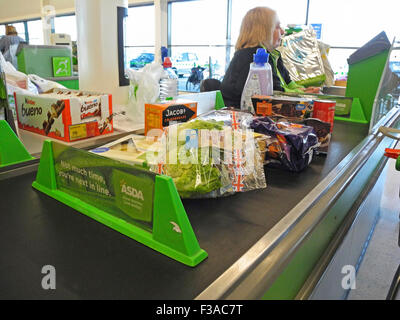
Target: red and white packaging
64,114
325,111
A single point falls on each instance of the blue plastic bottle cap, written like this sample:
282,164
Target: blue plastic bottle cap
261,56
100,150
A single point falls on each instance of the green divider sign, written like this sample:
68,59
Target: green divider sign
140,204
125,191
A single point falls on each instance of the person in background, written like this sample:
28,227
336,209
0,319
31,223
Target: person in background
9,44
260,29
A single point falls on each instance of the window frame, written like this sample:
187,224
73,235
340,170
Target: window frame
135,5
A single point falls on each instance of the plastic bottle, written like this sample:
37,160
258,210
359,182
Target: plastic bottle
259,81
168,81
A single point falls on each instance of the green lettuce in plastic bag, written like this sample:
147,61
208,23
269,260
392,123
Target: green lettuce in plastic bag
202,178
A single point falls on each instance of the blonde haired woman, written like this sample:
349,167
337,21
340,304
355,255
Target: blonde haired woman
260,29
9,44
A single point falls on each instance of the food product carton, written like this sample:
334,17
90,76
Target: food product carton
130,149
64,114
161,115
287,107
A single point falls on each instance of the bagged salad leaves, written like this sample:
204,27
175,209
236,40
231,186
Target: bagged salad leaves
189,163
233,118
207,159
239,121
289,146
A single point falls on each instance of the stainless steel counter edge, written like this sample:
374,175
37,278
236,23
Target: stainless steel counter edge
251,276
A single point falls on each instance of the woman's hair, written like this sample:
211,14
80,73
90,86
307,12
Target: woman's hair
257,28
11,31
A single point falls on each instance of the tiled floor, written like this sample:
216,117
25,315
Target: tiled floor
382,256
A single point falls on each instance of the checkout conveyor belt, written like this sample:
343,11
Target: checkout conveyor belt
93,261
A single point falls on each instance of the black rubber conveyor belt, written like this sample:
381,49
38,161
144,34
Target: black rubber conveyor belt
93,261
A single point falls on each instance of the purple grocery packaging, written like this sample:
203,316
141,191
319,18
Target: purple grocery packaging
291,146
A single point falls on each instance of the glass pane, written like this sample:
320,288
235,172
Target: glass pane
389,92
2,30
140,26
353,23
289,12
185,58
201,22
338,60
66,25
35,30
138,57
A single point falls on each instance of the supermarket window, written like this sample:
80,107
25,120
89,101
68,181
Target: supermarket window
140,36
20,29
198,39
289,12
338,59
35,31
353,23
67,25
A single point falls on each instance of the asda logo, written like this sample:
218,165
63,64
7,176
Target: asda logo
132,192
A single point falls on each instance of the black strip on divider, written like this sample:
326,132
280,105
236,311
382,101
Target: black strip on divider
121,14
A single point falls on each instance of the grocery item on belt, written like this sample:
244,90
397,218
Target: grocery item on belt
186,162
231,117
325,111
259,80
90,102
64,114
291,108
302,58
322,130
161,115
290,146
126,149
343,104
210,159
240,120
91,108
56,110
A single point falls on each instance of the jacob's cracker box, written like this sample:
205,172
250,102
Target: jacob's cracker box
159,116
66,115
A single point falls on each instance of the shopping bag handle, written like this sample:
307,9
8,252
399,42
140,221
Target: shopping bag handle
388,132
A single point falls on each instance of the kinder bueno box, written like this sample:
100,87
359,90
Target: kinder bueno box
291,108
159,116
67,115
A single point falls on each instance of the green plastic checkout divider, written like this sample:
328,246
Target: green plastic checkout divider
363,83
12,151
219,100
363,80
131,200
356,113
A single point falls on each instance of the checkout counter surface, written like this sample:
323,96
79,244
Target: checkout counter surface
95,262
